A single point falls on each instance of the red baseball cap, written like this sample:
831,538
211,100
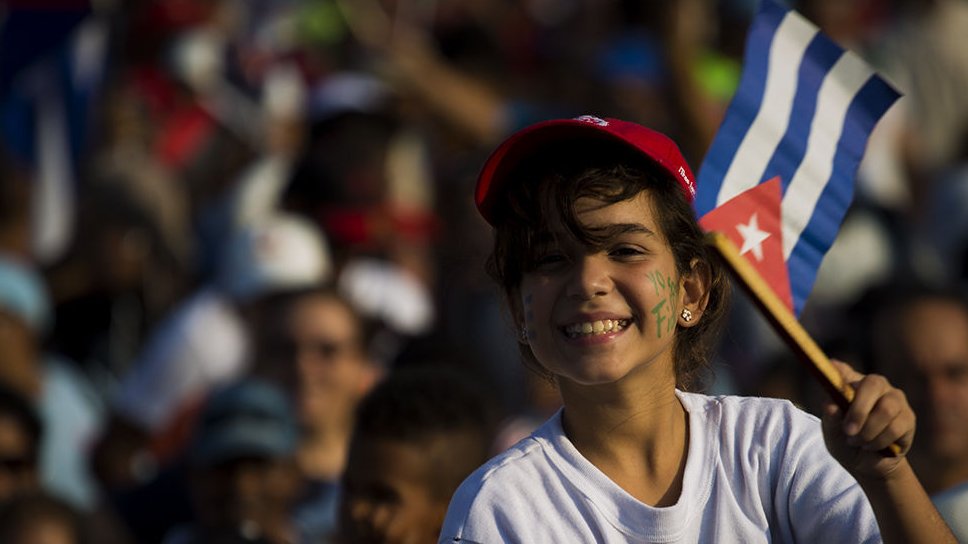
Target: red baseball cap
656,146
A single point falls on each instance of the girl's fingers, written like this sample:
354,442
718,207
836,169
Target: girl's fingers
847,371
886,410
878,416
891,435
867,394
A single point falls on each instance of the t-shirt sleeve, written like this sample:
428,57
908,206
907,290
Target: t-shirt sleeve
476,516
816,499
506,508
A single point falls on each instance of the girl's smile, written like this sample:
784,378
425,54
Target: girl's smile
606,327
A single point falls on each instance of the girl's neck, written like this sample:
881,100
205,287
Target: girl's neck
602,417
637,436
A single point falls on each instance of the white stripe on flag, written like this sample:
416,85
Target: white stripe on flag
786,52
836,95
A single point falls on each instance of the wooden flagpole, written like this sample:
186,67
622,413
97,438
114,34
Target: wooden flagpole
786,325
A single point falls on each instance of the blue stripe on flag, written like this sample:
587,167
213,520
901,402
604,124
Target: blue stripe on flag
819,57
734,127
867,107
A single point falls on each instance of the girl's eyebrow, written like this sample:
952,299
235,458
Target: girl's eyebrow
624,228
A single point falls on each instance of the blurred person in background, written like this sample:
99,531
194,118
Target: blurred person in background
203,343
417,436
23,311
919,339
364,177
14,205
20,436
313,344
243,474
64,399
922,52
125,268
29,513
543,401
39,518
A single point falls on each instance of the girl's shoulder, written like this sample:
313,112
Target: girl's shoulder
744,408
740,423
506,484
518,462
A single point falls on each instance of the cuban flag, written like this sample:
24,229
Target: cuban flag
779,175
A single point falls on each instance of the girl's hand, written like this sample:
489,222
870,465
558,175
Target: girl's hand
878,417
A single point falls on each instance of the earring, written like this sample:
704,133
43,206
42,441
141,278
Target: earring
686,315
524,335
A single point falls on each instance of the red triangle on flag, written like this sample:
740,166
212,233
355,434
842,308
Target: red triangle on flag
751,220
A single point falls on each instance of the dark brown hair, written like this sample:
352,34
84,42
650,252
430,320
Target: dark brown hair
437,409
550,183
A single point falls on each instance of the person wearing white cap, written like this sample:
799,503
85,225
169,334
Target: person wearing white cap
205,341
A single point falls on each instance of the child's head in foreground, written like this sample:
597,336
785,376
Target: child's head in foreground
564,189
417,435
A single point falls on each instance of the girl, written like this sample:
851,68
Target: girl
618,301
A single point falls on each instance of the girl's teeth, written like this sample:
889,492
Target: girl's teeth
596,327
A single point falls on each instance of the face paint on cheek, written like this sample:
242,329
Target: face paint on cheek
664,311
659,317
673,296
656,280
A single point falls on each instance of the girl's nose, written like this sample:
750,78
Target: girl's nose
590,277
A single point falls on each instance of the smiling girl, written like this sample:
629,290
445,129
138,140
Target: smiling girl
618,301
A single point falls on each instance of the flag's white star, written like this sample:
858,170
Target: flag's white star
752,237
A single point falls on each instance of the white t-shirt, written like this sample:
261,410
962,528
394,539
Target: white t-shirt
757,470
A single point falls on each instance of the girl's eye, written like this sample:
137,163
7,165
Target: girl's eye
626,252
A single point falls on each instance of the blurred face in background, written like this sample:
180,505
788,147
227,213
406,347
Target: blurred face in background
932,368
40,518
317,353
18,468
247,496
19,356
387,496
45,531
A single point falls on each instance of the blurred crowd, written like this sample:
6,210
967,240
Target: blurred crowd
242,287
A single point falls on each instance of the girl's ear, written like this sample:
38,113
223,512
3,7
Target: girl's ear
694,292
